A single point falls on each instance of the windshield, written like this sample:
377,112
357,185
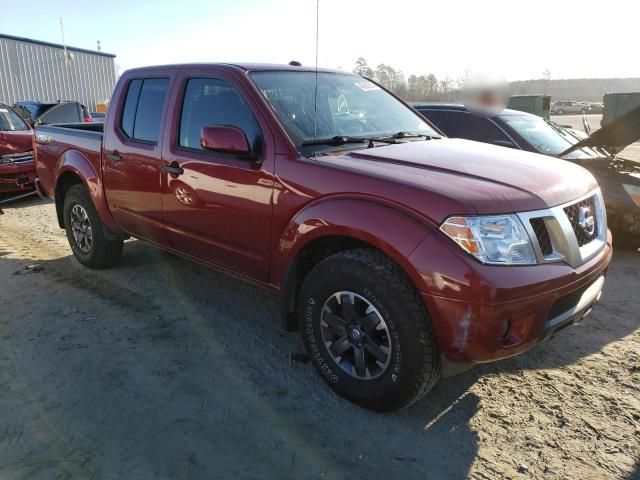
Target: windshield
545,137
10,121
347,106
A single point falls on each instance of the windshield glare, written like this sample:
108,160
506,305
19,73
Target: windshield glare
347,106
546,138
10,121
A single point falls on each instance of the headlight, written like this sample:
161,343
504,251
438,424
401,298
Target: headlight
495,239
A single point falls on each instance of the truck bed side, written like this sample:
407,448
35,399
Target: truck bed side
54,143
67,154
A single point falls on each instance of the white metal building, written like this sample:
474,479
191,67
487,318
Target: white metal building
35,70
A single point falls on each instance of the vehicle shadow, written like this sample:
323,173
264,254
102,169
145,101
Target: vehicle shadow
20,200
635,474
161,367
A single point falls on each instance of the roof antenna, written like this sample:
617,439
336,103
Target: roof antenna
315,97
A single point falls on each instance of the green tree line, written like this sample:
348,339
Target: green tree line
427,87
414,88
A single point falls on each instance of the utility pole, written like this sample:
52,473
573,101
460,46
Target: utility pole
64,44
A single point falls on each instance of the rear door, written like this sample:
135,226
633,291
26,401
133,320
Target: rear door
131,155
219,209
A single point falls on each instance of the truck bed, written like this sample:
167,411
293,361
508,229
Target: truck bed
55,141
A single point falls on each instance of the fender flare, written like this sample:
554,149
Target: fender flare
385,226
73,162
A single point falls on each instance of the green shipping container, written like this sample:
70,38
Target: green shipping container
617,104
536,104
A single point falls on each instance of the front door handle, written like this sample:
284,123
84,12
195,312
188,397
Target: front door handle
114,156
173,169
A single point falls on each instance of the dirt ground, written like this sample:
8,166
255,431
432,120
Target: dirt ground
160,368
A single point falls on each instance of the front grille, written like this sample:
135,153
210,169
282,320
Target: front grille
542,234
16,158
573,214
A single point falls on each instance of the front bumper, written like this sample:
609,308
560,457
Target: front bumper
17,177
489,313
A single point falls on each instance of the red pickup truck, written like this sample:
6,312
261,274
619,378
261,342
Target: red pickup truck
396,252
17,168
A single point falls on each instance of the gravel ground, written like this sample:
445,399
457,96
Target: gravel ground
160,368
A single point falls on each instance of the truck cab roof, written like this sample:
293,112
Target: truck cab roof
237,66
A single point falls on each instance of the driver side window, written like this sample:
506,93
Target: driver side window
209,102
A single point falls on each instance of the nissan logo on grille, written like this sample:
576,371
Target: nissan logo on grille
586,221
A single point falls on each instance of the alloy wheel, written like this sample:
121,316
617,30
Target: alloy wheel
355,335
81,228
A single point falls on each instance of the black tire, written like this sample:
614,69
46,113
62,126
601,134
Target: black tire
414,362
100,252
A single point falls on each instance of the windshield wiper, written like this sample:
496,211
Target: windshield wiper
342,140
415,135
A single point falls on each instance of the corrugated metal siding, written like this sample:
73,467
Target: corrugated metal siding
30,71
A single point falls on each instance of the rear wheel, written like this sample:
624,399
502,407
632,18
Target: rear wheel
560,112
85,231
367,331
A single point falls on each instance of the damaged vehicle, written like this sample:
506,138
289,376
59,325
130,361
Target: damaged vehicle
618,178
17,168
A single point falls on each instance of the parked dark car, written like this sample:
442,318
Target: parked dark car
596,107
17,168
619,178
36,112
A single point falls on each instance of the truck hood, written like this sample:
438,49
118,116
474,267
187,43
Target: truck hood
16,142
620,133
477,178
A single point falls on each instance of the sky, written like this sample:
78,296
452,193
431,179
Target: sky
516,40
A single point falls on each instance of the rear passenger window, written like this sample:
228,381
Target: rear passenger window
142,110
210,101
130,104
466,125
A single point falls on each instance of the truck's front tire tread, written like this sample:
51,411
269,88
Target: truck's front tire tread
375,267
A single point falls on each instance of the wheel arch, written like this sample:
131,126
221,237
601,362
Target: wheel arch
75,168
341,224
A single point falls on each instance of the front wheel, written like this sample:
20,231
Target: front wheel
367,331
85,231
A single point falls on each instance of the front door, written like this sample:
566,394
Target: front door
132,166
218,208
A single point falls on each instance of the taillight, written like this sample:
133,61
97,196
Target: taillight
88,119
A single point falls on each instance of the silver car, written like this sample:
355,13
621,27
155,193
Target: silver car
562,107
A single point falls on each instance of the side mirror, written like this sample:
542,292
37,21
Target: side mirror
225,139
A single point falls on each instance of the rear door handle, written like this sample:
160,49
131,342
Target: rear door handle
114,156
173,169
